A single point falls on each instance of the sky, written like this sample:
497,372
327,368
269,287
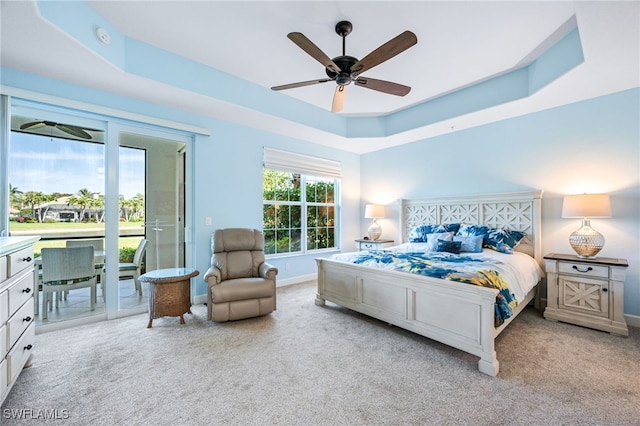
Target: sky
48,165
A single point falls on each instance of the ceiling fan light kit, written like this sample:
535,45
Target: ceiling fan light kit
346,69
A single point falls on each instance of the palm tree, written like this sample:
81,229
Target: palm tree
35,198
83,199
15,197
137,204
98,204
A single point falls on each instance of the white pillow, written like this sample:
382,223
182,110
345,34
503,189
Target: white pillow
432,239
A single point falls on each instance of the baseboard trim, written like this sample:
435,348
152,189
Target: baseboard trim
297,280
632,320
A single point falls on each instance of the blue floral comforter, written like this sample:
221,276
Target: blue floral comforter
484,271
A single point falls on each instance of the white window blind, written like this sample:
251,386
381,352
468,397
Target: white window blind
292,162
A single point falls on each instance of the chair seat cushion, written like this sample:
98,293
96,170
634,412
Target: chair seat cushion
242,289
127,266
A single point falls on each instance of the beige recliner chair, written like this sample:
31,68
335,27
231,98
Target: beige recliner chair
240,284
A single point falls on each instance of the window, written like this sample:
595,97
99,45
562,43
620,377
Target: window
300,210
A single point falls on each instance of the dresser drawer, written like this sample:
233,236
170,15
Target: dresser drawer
19,260
3,377
582,269
3,268
19,322
3,341
4,306
20,292
20,353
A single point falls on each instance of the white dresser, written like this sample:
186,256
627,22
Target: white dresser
17,322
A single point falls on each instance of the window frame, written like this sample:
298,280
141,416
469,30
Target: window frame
303,205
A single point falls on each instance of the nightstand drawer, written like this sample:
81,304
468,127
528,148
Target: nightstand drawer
582,269
373,244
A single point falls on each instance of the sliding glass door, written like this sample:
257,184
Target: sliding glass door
151,193
56,179
74,179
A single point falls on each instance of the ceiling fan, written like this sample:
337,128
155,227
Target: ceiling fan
346,69
77,131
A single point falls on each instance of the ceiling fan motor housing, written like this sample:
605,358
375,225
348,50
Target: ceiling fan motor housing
345,63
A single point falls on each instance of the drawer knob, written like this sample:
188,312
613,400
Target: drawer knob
26,290
28,348
26,319
26,259
589,268
605,289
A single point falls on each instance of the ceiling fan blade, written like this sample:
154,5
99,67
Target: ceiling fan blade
338,98
387,51
74,130
307,45
32,125
300,84
383,86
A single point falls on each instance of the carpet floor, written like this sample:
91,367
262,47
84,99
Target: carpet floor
310,365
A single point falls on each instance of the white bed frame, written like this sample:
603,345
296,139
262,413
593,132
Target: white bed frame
456,314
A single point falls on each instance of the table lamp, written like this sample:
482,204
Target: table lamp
374,211
586,241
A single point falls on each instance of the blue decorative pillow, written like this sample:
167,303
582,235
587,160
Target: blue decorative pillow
418,234
472,244
472,230
449,246
503,240
432,239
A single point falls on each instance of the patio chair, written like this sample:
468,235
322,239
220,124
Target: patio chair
65,269
98,246
133,269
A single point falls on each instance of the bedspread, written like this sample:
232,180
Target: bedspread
485,269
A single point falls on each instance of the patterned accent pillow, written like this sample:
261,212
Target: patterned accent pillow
503,240
418,234
449,246
472,244
472,230
432,239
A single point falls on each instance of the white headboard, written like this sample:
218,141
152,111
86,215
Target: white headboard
519,211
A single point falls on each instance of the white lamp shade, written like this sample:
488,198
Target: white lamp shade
586,205
372,211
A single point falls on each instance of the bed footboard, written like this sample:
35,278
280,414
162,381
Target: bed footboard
456,314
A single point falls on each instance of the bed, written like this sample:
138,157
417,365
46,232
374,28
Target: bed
454,313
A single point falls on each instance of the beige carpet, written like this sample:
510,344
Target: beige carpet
309,365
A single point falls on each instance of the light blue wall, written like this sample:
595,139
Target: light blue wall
227,170
590,146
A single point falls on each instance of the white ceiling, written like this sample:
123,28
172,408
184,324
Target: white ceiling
459,43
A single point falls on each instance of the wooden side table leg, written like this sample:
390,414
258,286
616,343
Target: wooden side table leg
150,321
181,319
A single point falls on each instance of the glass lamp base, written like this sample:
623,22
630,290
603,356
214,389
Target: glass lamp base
374,231
586,241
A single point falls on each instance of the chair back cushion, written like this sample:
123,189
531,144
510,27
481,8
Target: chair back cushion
237,252
61,264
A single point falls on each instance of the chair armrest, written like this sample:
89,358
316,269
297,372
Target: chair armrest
268,271
213,276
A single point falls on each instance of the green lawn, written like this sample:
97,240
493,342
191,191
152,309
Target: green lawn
70,226
55,234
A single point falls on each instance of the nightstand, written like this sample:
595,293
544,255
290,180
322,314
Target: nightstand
372,244
586,292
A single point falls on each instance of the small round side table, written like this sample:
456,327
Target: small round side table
169,292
